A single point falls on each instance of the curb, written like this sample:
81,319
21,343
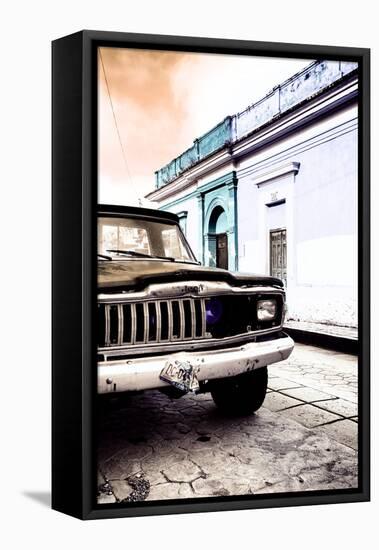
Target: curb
323,340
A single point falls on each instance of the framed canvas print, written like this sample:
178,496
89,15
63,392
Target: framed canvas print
210,274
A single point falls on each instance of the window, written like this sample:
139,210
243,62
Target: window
121,237
118,236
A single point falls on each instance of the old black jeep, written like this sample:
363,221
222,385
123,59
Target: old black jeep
168,323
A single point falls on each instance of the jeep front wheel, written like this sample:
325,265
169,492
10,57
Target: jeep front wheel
242,394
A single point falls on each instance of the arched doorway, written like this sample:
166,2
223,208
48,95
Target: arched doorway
217,229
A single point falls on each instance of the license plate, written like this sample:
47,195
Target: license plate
181,375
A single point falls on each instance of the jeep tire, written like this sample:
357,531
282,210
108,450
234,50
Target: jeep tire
242,394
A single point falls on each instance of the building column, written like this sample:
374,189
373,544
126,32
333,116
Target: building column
233,223
200,209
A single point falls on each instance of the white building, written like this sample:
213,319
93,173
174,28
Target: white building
273,190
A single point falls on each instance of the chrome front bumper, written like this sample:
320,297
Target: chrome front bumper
143,373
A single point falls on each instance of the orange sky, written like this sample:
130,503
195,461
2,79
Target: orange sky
163,101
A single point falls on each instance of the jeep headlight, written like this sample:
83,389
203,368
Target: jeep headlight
266,310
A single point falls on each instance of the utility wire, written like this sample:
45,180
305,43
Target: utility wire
117,128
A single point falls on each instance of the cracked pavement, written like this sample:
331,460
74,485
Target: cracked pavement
304,437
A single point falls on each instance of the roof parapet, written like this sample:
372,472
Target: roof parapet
301,86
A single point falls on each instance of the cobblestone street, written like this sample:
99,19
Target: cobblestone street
303,438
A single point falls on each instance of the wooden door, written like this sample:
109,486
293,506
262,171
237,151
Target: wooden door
278,254
222,250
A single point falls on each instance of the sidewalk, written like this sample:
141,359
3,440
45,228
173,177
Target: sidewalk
318,389
328,336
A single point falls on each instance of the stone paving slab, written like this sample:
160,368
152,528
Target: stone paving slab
345,431
121,489
310,416
106,499
327,371
277,383
307,394
277,402
339,406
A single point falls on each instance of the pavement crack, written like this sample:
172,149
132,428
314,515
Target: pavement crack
181,482
268,484
239,459
203,474
168,480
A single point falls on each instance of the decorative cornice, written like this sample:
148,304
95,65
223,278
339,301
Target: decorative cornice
227,179
278,172
197,171
300,147
172,188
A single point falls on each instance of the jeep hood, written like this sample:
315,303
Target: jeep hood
137,274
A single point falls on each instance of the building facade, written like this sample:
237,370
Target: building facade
273,190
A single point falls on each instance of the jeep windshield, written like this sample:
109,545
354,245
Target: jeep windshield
129,238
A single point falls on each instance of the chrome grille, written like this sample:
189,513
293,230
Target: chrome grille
152,321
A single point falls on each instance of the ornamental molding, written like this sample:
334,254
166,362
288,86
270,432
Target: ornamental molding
278,172
206,167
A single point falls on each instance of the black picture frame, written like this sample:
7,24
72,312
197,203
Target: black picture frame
74,202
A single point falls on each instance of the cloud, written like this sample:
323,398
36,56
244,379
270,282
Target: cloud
150,108
164,100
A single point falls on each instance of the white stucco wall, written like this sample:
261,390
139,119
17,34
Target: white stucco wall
321,219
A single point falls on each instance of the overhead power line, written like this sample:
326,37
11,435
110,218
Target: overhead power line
117,128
